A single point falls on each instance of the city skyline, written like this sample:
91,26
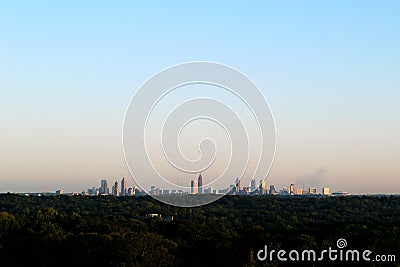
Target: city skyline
195,187
330,73
123,189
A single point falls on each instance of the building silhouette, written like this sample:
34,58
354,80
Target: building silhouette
312,190
292,190
131,191
237,184
272,190
200,184
262,188
59,192
123,187
104,190
193,187
115,191
299,191
325,191
253,185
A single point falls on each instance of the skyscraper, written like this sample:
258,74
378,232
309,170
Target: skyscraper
104,187
237,184
193,187
292,191
115,191
253,185
200,184
123,187
262,187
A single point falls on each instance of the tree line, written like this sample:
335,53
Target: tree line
106,230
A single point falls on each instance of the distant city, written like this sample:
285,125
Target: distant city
196,188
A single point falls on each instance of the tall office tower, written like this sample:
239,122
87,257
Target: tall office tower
312,190
292,191
253,185
104,187
272,190
123,187
200,184
115,191
193,187
237,184
262,187
325,191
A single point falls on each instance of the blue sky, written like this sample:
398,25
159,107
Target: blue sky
330,71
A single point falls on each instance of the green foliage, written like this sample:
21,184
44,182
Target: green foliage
79,230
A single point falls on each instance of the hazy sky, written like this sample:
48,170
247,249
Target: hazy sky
330,71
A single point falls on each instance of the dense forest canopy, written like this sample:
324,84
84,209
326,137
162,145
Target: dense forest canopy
106,230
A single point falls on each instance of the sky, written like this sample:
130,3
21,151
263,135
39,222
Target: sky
329,70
